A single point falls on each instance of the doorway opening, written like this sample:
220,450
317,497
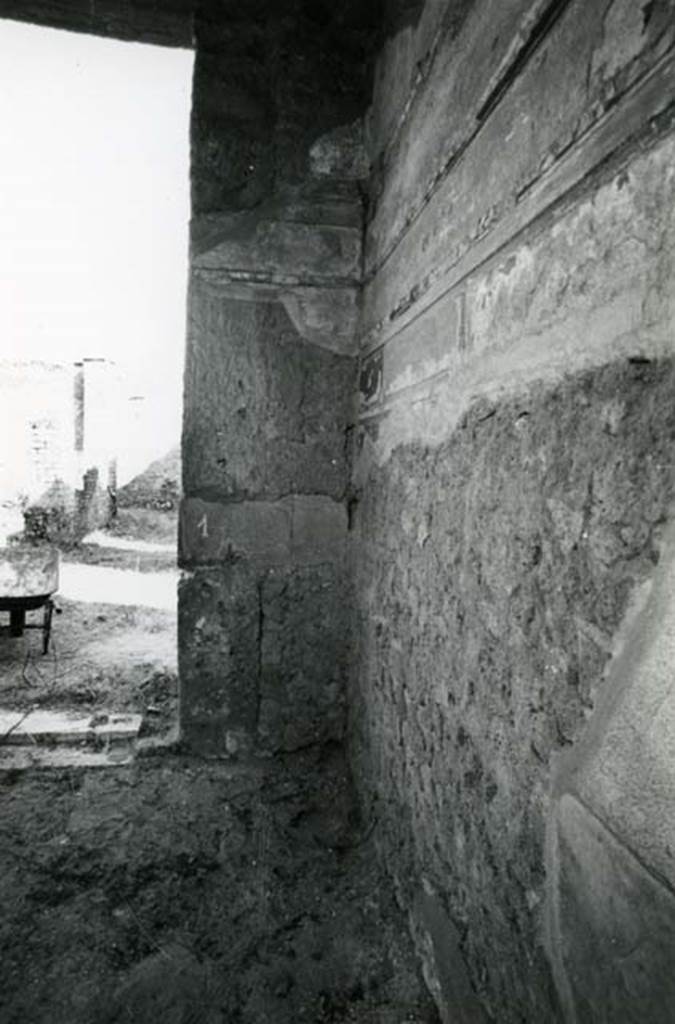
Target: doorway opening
94,212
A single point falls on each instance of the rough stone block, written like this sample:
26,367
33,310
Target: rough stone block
326,317
302,674
300,529
323,315
64,727
265,413
257,245
218,646
319,529
214,532
617,926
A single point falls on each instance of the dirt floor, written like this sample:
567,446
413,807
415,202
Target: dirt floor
172,890
178,892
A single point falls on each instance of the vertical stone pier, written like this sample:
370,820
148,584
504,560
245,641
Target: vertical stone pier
270,378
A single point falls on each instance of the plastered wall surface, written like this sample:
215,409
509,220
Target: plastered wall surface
513,486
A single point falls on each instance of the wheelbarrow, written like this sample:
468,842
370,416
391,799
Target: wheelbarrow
29,577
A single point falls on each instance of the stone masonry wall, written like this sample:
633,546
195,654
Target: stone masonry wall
263,519
277,155
497,570
508,511
512,490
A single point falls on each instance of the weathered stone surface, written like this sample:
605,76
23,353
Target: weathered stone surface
413,30
267,413
303,626
588,286
270,80
318,529
323,316
167,23
445,189
617,926
212,532
438,946
492,573
314,201
326,317
171,985
264,246
218,647
625,771
54,727
262,657
296,530
301,247
341,153
599,270
434,344
276,261
232,165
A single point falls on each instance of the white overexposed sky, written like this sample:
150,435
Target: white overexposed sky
94,207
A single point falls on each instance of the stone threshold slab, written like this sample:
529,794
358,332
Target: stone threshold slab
18,758
43,727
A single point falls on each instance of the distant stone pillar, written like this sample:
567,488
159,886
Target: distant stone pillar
78,399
